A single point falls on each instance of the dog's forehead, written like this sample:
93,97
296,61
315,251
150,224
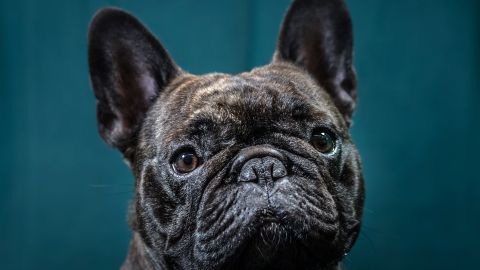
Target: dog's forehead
275,92
277,86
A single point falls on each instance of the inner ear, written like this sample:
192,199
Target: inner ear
317,36
128,69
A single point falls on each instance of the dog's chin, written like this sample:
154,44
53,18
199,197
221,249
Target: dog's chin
272,243
274,246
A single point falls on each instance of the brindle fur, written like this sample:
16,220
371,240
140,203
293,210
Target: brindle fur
150,110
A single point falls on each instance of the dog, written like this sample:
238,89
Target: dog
249,171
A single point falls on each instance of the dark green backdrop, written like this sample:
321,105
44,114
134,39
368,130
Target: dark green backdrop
64,194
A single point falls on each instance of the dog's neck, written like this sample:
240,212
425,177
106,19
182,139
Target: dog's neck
140,258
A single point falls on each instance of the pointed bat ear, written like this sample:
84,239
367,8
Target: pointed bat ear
317,36
128,69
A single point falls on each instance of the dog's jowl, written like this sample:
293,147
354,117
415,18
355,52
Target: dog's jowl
249,171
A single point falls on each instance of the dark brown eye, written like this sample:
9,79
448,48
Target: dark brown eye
323,141
185,162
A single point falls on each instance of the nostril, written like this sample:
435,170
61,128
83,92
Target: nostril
278,170
248,172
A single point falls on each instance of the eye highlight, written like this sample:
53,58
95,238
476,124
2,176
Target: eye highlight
324,141
185,162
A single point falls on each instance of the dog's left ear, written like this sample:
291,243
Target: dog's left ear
317,36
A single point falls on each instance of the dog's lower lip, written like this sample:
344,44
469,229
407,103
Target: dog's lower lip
270,219
269,216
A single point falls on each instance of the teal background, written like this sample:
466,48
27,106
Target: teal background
64,193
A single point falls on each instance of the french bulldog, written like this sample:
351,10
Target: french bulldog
255,170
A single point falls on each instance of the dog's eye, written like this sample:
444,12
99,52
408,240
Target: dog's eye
185,162
323,141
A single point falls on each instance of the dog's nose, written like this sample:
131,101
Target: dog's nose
258,164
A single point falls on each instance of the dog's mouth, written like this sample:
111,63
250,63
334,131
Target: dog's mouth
272,243
253,228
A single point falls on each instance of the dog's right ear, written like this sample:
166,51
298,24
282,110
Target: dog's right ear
128,69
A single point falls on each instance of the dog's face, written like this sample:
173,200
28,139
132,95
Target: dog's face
255,170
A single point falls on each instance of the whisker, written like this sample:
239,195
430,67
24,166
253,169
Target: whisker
109,185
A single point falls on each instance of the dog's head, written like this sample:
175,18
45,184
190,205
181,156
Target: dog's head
236,171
